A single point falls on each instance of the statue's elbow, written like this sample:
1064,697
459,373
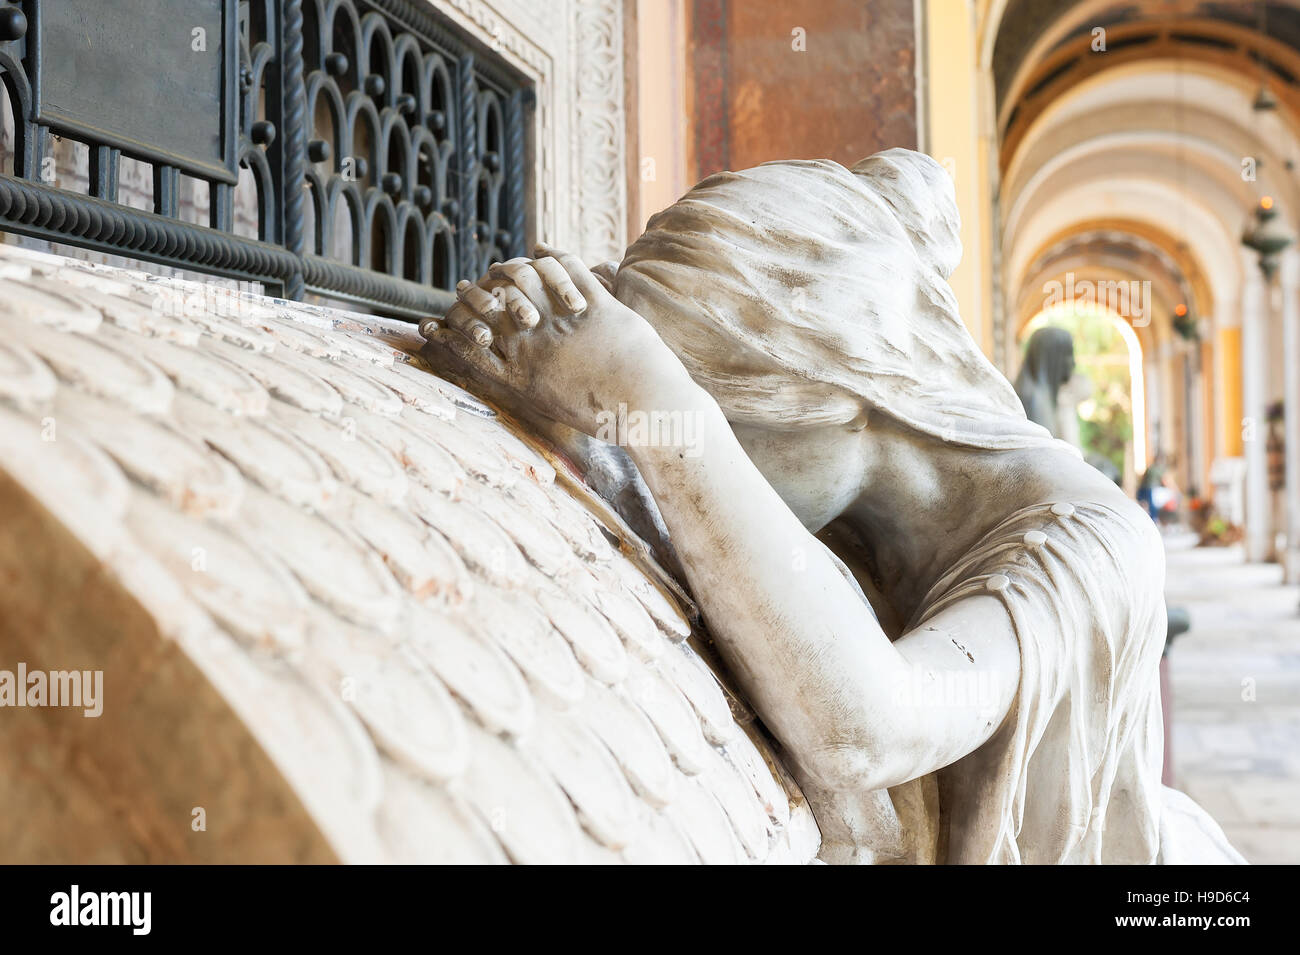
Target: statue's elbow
859,766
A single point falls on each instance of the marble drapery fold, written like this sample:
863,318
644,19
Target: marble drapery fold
1073,774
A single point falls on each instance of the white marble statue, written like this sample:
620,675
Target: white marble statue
949,622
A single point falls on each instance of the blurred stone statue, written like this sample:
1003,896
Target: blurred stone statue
1076,389
950,624
1048,365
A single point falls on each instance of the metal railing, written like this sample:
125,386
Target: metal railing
386,150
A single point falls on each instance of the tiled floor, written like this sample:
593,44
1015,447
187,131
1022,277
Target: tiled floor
1236,683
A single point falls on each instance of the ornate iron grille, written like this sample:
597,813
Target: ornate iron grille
387,151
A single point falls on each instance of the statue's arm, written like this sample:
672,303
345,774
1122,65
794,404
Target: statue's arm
848,705
853,709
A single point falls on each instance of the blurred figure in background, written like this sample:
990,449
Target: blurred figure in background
1048,365
1156,491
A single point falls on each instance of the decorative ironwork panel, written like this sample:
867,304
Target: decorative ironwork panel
387,154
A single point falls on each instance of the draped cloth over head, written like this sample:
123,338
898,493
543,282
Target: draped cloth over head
802,292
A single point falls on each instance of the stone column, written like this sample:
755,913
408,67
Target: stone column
1255,321
1289,276
1203,406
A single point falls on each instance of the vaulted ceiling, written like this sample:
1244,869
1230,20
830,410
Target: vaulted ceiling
1029,29
1157,135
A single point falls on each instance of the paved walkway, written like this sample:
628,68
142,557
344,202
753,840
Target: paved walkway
1236,684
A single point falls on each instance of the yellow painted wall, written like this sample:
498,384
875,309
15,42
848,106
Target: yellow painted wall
1228,355
953,138
1209,413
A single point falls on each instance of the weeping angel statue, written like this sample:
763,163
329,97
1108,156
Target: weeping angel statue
948,621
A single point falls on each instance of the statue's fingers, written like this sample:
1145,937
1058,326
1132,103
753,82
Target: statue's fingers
466,321
429,326
479,299
560,285
521,310
521,274
483,361
579,275
605,274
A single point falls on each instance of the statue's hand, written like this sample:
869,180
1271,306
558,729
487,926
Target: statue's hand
553,334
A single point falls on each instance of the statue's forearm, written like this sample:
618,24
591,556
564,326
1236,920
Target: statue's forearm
744,549
795,632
